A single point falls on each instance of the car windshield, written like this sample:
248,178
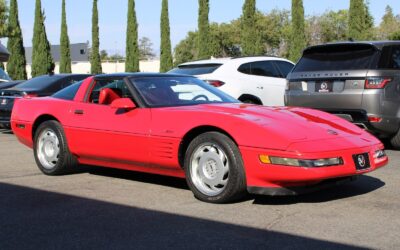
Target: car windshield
196,69
178,91
4,76
39,82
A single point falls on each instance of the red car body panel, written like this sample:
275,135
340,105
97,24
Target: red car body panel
149,139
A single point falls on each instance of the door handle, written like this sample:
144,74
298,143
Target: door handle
78,112
260,87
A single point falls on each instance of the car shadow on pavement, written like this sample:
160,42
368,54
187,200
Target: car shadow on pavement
6,131
36,219
138,176
363,185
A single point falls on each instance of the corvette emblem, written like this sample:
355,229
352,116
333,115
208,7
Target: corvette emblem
361,160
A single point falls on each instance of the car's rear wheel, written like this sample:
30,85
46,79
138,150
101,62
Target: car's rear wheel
214,168
51,150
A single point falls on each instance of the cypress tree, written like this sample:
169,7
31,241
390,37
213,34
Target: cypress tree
95,61
165,48
132,47
297,33
65,53
250,37
204,30
17,62
357,19
42,62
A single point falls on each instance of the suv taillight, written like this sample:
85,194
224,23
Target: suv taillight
215,83
376,82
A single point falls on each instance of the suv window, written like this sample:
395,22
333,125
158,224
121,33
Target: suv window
260,68
390,58
284,67
196,69
338,57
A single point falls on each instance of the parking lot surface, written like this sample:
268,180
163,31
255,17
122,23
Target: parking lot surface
102,208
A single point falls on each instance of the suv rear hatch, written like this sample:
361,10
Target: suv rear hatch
333,78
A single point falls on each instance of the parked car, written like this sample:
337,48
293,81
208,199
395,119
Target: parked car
259,80
178,125
358,81
39,86
10,84
5,80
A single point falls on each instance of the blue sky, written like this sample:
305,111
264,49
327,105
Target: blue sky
183,17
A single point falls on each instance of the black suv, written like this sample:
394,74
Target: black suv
358,81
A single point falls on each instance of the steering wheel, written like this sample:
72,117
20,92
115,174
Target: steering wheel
200,96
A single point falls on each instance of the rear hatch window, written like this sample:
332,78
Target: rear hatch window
338,57
196,69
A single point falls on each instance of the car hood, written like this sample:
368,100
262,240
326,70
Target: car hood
272,127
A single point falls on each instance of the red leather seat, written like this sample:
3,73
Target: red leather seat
107,95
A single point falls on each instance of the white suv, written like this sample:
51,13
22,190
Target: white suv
260,80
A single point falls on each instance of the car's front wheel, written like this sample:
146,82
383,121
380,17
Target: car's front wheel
214,168
51,150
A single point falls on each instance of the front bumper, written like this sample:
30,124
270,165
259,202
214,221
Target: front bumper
261,176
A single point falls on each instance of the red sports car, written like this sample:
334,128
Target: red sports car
180,126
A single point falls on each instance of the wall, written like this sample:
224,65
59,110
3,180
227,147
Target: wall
108,67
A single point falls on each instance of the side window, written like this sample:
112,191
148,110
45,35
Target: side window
106,91
390,58
261,68
68,81
284,67
245,68
264,68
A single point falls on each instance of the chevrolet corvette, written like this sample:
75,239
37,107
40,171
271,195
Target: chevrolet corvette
179,126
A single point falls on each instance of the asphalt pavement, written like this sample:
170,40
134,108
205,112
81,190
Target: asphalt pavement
102,208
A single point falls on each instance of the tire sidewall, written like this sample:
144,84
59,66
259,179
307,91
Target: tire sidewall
236,182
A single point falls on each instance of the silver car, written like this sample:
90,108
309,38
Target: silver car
358,81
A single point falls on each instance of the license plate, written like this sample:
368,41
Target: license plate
3,101
361,161
323,87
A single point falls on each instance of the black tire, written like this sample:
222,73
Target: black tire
395,140
66,162
236,182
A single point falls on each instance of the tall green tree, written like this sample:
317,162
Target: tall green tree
204,30
297,34
250,37
16,66
42,62
4,27
166,62
132,47
95,61
65,51
357,14
389,24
